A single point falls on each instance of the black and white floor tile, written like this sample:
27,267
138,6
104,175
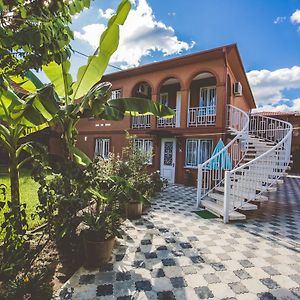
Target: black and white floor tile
171,253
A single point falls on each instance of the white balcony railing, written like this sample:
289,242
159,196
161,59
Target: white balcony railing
168,122
201,116
140,122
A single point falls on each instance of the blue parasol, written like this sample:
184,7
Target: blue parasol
222,161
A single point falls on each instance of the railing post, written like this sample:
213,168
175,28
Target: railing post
199,185
226,197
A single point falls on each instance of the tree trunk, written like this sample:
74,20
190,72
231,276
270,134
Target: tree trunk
15,191
14,179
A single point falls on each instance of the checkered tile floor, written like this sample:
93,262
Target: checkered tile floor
171,253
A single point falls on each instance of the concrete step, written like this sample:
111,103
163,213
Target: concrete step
260,142
218,210
255,167
238,203
258,172
259,198
259,146
260,187
250,178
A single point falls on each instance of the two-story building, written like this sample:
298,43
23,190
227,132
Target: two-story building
199,87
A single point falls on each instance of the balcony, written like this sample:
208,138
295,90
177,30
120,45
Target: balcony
140,122
201,116
169,122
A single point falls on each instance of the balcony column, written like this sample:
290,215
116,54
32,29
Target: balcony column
153,121
184,108
221,98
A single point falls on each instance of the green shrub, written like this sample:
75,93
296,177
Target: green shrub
31,286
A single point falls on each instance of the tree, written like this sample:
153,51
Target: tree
35,32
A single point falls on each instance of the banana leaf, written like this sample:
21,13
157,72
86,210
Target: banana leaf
92,72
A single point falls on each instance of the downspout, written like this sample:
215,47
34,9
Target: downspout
226,85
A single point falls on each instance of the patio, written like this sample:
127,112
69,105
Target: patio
171,253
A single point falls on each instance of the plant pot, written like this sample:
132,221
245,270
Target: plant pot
134,210
97,253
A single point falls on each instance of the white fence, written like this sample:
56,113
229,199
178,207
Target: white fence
201,116
168,122
139,122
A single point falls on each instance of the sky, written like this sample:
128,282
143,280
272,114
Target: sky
267,33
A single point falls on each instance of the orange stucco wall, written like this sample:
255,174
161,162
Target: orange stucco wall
90,129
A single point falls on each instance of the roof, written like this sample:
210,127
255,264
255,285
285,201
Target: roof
169,62
278,113
218,52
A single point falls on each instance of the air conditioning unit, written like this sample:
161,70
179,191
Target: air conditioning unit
143,89
237,89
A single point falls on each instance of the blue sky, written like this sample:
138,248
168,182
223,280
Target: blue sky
267,34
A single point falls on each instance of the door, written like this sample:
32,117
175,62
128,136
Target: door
167,159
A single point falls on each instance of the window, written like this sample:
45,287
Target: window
102,148
197,152
146,146
207,100
163,99
116,94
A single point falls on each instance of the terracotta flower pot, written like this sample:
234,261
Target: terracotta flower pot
134,210
97,253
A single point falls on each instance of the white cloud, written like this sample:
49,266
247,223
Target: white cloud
295,17
106,14
172,14
141,35
294,106
279,20
268,88
91,34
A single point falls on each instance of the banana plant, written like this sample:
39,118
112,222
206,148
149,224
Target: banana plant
36,106
21,115
95,95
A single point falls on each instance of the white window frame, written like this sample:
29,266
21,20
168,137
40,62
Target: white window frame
164,101
145,145
102,147
196,152
116,94
208,88
209,107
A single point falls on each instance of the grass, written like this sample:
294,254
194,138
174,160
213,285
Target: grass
28,194
205,214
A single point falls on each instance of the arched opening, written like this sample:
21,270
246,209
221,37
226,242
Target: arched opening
142,90
169,95
168,92
203,100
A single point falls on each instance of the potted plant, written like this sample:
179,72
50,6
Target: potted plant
102,222
134,209
129,197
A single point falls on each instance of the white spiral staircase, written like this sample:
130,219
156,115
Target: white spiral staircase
260,155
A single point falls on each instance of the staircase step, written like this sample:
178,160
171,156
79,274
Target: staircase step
261,146
260,142
259,198
262,188
237,203
253,179
217,210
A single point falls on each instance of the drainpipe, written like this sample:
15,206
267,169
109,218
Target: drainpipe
226,84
